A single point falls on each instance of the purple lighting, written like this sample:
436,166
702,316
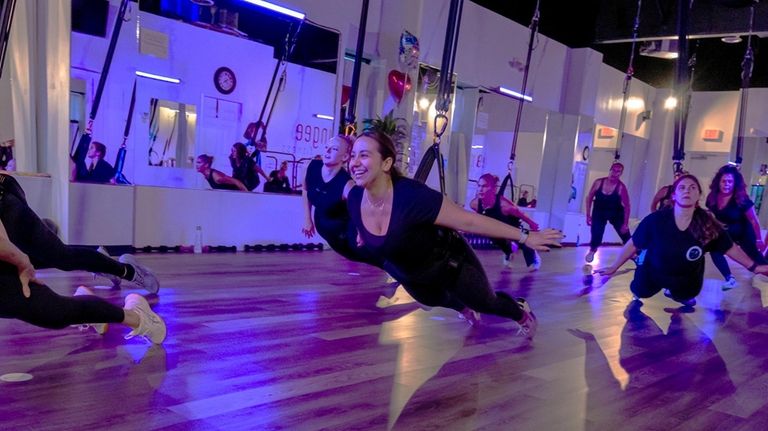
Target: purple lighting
276,8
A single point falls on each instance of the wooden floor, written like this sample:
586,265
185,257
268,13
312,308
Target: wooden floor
295,341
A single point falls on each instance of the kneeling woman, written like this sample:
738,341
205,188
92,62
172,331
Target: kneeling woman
672,243
413,229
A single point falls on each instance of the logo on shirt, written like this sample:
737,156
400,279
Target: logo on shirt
694,253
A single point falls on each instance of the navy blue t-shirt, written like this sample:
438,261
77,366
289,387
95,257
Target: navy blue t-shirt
412,235
671,256
331,216
734,217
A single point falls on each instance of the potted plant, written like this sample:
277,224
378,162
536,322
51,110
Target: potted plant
396,128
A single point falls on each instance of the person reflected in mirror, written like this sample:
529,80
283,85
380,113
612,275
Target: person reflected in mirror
611,205
672,243
216,179
729,202
278,180
93,168
245,168
523,201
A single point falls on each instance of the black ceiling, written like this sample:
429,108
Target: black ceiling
606,26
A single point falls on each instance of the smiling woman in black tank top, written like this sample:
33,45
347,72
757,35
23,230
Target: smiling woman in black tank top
611,205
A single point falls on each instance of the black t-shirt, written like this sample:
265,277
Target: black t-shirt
671,256
245,173
216,186
412,237
734,217
331,216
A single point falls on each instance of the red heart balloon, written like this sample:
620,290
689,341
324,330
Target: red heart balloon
345,90
399,84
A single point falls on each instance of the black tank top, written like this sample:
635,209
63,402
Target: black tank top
216,186
606,203
495,212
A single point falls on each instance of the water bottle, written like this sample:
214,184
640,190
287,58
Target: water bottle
198,247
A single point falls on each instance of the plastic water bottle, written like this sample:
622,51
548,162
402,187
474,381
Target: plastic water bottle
198,247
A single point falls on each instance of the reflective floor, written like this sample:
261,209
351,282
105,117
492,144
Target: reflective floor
303,340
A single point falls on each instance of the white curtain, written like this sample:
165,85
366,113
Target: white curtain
38,61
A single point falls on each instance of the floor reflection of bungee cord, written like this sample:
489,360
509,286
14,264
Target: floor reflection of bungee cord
674,375
426,344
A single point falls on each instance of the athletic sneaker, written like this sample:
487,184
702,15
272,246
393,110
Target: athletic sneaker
528,323
471,316
116,281
729,284
151,326
142,275
100,328
590,256
536,265
688,302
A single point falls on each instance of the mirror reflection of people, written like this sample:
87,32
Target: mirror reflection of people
216,179
672,243
245,168
93,168
663,197
729,202
523,201
278,180
611,205
412,228
491,203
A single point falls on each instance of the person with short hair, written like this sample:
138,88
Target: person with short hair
216,179
94,169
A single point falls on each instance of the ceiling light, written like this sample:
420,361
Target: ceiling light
670,103
276,8
515,94
731,39
157,77
666,49
423,103
323,116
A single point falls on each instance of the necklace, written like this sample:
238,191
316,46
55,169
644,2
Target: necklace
375,205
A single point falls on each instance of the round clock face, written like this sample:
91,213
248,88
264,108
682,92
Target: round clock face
224,80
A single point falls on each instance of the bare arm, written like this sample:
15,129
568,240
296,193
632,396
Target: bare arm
11,254
658,197
752,217
627,251
737,254
221,178
454,217
625,203
588,201
509,208
309,227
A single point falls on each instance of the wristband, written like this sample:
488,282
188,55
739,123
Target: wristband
753,267
523,235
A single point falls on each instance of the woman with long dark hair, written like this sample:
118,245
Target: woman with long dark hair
412,228
729,202
244,168
672,243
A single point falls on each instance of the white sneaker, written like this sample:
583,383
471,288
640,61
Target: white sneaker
729,284
116,281
100,328
528,324
759,281
590,256
471,316
142,275
151,326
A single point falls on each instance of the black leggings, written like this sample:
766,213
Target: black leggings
748,244
458,281
47,309
599,220
528,253
44,248
646,284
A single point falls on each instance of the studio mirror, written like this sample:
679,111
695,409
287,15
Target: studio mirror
171,134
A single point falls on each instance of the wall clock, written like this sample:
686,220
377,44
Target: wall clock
224,80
